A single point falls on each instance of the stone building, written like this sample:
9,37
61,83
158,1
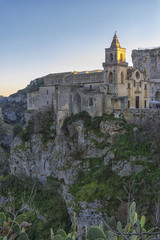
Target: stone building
148,61
115,89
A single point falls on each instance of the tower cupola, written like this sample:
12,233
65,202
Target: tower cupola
115,54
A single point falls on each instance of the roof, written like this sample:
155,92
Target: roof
115,43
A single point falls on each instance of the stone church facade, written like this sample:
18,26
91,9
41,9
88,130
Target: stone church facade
115,89
148,61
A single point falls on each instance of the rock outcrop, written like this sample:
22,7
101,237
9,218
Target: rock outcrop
13,107
68,154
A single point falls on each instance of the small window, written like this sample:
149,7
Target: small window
128,104
134,83
47,102
152,90
145,104
90,87
91,102
47,92
129,86
137,75
111,57
122,77
110,77
145,87
139,83
121,57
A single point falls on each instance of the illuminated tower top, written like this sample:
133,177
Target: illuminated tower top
115,54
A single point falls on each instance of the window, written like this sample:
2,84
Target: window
128,104
47,92
47,102
129,86
90,87
145,87
121,57
137,102
111,57
91,102
152,90
140,83
145,104
137,75
110,77
134,83
122,77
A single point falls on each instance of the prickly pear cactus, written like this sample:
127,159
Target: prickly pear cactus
58,237
95,233
2,219
22,236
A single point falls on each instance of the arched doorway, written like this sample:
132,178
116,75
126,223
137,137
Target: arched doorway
157,96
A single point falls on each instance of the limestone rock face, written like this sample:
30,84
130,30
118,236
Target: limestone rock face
13,107
61,158
64,156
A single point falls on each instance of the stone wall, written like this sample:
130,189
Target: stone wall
142,116
148,61
33,100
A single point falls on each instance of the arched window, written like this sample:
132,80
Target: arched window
121,57
122,77
111,57
110,77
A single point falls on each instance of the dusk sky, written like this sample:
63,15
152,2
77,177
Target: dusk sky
38,37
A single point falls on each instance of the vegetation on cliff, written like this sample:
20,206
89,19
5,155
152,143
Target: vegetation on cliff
117,161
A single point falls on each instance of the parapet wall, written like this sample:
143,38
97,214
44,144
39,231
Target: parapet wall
142,116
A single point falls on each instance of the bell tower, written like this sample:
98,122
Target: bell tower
115,68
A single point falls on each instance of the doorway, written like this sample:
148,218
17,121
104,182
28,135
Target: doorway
137,101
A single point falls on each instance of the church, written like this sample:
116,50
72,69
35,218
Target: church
115,89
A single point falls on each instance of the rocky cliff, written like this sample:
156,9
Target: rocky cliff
13,107
97,162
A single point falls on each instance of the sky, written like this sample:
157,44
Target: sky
39,37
